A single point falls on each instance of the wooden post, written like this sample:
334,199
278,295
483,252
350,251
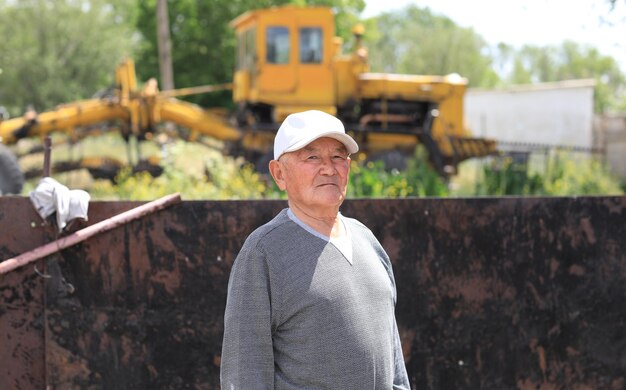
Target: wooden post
164,44
47,150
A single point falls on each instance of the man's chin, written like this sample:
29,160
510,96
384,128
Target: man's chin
332,198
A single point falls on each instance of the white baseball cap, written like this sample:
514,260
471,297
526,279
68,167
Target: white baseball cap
301,128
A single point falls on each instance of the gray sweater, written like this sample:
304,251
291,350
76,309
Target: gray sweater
300,316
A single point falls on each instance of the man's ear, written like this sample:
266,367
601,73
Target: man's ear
278,174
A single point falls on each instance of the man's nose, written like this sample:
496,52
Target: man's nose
326,166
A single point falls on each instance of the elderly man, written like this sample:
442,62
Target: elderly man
311,295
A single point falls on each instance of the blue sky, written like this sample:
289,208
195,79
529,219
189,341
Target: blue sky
536,22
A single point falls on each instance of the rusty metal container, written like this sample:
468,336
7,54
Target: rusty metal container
493,293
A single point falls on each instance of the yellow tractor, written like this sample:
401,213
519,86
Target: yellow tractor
287,60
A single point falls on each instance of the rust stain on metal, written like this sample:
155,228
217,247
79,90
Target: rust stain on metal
577,270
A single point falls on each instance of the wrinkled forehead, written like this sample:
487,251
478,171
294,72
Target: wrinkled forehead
325,143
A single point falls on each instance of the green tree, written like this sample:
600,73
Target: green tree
570,61
56,51
416,41
203,44
520,73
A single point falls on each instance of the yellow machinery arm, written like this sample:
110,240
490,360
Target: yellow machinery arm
130,110
193,117
65,117
137,111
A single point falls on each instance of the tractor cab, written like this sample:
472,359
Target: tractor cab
283,63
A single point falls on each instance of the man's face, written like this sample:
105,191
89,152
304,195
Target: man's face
315,176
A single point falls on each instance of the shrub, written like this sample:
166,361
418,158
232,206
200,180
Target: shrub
571,174
199,173
563,174
373,180
193,171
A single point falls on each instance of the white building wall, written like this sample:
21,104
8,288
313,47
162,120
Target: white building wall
550,113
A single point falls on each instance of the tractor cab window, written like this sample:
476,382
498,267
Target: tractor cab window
277,45
246,50
311,45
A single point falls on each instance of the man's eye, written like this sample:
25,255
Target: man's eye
312,158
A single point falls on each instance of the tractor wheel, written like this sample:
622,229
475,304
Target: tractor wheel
11,176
